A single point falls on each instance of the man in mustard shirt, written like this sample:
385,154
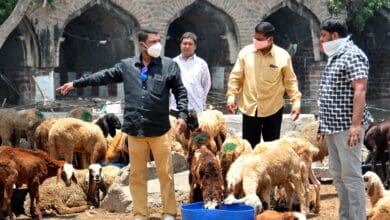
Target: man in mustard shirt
263,73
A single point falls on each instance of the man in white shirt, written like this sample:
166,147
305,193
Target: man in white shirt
195,74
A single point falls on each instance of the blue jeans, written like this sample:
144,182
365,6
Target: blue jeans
345,167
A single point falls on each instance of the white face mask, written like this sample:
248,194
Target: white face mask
331,47
154,50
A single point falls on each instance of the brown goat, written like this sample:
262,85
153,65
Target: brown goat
377,140
19,166
206,182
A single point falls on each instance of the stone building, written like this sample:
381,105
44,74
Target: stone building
62,42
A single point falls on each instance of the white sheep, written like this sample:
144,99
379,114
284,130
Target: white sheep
97,189
309,132
232,148
306,152
259,173
379,197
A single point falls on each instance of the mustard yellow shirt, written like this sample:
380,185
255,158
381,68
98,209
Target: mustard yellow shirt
260,81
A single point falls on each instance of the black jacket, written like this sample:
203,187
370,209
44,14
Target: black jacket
146,111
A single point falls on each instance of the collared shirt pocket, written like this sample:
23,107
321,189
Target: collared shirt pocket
158,84
271,74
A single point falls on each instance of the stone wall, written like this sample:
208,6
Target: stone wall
44,32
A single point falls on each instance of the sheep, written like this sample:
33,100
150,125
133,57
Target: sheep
232,148
379,197
305,150
280,197
20,166
258,173
211,121
82,113
70,135
97,189
206,182
309,132
58,199
8,123
118,149
41,134
179,142
377,141
18,124
214,123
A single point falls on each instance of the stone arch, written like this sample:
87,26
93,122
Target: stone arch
19,57
297,31
303,12
217,35
93,38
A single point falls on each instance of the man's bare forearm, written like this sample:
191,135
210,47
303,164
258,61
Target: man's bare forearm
359,101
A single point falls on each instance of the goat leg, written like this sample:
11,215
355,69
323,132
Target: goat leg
33,189
374,158
8,197
37,202
303,200
387,171
317,185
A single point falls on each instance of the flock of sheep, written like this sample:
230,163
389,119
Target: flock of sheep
53,143
223,167
233,172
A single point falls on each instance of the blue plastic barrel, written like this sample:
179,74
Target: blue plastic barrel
195,211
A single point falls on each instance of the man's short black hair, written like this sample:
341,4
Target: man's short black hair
265,28
189,35
335,24
143,33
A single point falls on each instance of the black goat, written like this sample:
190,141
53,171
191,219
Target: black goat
377,141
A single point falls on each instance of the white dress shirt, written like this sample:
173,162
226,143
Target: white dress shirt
195,75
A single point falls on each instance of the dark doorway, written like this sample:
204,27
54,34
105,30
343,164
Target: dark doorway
95,40
18,59
293,33
216,31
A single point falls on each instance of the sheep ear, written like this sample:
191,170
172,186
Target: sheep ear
111,128
59,171
103,125
371,189
74,179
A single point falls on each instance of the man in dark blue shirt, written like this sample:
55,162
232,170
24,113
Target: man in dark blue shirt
147,80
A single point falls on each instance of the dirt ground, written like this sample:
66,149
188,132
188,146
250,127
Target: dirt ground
329,207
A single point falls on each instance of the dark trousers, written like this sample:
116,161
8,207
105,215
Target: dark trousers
269,127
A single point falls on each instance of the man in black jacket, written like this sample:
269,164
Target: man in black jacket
147,80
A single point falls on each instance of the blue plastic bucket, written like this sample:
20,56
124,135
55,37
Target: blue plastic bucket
195,211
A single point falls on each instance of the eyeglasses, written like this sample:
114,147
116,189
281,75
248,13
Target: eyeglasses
144,74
